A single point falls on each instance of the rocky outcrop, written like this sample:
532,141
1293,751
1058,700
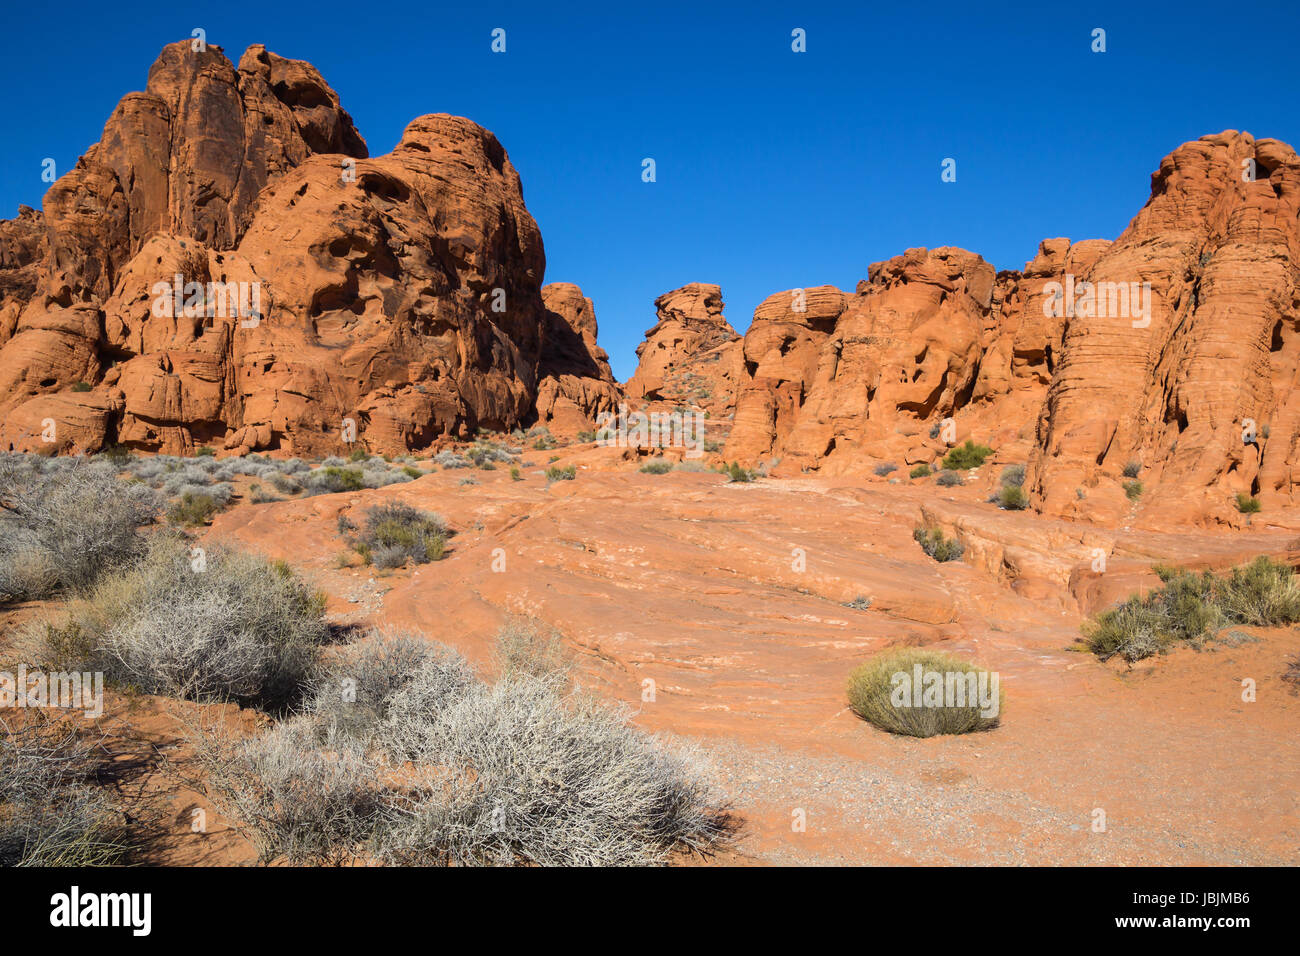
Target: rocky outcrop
575,384
326,296
692,355
1173,348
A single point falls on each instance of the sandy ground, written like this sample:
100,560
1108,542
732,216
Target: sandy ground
717,612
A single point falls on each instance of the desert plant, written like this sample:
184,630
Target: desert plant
969,455
1013,475
948,478
194,508
216,626
567,473
515,473
934,544
735,472
657,467
396,532
63,530
1190,608
1012,498
1132,468
1133,489
1246,504
518,771
920,471
883,691
50,812
205,451
358,454
330,479
885,468
81,387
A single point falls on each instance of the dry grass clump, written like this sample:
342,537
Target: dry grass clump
221,626
1191,608
60,530
403,755
51,814
881,692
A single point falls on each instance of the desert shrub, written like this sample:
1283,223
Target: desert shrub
260,496
226,625
1133,489
395,532
358,454
934,544
969,455
735,472
528,647
880,697
1132,468
585,437
194,508
118,455
294,800
948,478
81,387
657,467
411,472
692,465
50,812
515,473
484,453
1012,498
1013,475
449,459
567,473
885,468
920,471
62,530
285,484
330,479
1190,608
518,771
1246,504
859,603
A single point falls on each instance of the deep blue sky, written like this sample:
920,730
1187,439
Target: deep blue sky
775,169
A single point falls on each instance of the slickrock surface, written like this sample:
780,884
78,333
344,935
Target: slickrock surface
730,599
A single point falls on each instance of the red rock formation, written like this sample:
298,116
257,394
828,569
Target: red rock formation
576,383
1072,363
692,355
400,295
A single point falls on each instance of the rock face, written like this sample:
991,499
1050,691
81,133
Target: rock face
577,383
1175,348
325,297
692,355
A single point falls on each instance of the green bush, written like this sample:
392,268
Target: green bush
516,474
395,532
1246,504
82,387
934,544
1190,608
358,454
659,466
1012,498
881,692
1132,468
1013,475
567,473
205,451
194,508
324,481
920,471
969,455
736,473
1133,489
